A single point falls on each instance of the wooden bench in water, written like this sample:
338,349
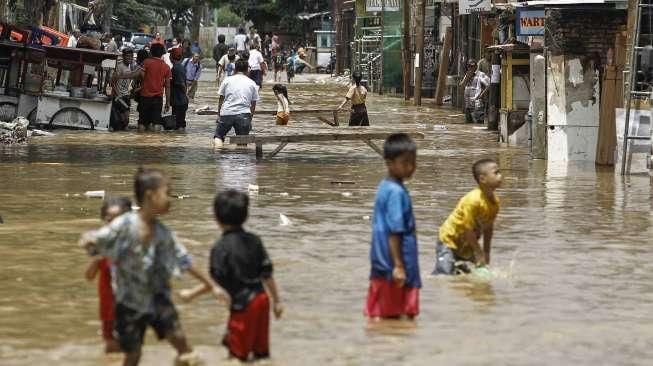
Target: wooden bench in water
294,112
284,140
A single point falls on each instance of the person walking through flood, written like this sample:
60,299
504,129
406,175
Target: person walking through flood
476,85
283,104
472,218
227,65
193,68
179,87
121,92
240,264
257,65
394,276
146,254
357,94
111,209
237,103
220,49
156,76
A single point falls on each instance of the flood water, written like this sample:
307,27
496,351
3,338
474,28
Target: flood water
572,254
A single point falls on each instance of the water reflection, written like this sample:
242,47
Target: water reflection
571,248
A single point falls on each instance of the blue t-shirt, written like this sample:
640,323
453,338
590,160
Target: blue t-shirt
393,214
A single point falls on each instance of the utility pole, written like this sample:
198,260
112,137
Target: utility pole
406,49
419,49
382,47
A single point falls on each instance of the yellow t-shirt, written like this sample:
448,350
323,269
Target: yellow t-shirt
475,211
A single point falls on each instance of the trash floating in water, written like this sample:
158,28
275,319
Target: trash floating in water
366,217
346,194
439,127
94,194
284,220
479,128
252,188
183,196
284,194
482,272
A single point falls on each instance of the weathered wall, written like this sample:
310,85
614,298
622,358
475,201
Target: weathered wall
578,41
583,32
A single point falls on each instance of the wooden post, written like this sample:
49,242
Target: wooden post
538,97
382,48
444,66
494,95
259,150
419,50
406,49
607,143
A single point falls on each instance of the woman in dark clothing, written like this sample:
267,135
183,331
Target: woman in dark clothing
357,95
179,97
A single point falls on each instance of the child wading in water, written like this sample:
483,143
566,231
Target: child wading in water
394,278
473,216
283,104
145,254
240,265
111,209
357,94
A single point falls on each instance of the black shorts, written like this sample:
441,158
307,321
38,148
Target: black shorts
149,110
130,325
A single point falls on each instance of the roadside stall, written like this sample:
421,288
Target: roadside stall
20,77
73,92
515,92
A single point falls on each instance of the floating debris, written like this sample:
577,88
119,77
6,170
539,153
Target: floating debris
284,220
94,194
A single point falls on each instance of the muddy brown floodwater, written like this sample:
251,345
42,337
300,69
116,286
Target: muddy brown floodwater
572,254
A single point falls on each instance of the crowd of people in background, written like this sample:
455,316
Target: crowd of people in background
165,74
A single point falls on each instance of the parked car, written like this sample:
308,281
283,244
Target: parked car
138,41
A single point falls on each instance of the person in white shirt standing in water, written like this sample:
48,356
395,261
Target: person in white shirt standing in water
256,65
238,97
240,40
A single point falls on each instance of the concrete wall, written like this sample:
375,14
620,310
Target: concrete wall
577,41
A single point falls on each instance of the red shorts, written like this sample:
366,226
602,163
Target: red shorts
248,331
386,300
107,303
107,330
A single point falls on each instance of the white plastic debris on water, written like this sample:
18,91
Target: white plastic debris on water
284,220
94,194
346,194
284,194
366,217
439,127
252,188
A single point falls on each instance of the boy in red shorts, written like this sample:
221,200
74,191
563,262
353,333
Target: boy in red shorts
394,276
241,266
111,209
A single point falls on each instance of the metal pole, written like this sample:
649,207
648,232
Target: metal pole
631,85
382,46
419,50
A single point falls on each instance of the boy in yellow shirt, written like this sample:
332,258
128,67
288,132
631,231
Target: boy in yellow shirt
472,218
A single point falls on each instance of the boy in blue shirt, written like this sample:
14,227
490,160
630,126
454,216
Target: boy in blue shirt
394,278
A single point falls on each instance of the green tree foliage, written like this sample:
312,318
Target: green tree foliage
133,14
227,16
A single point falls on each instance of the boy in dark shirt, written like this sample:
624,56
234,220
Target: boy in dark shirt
241,266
